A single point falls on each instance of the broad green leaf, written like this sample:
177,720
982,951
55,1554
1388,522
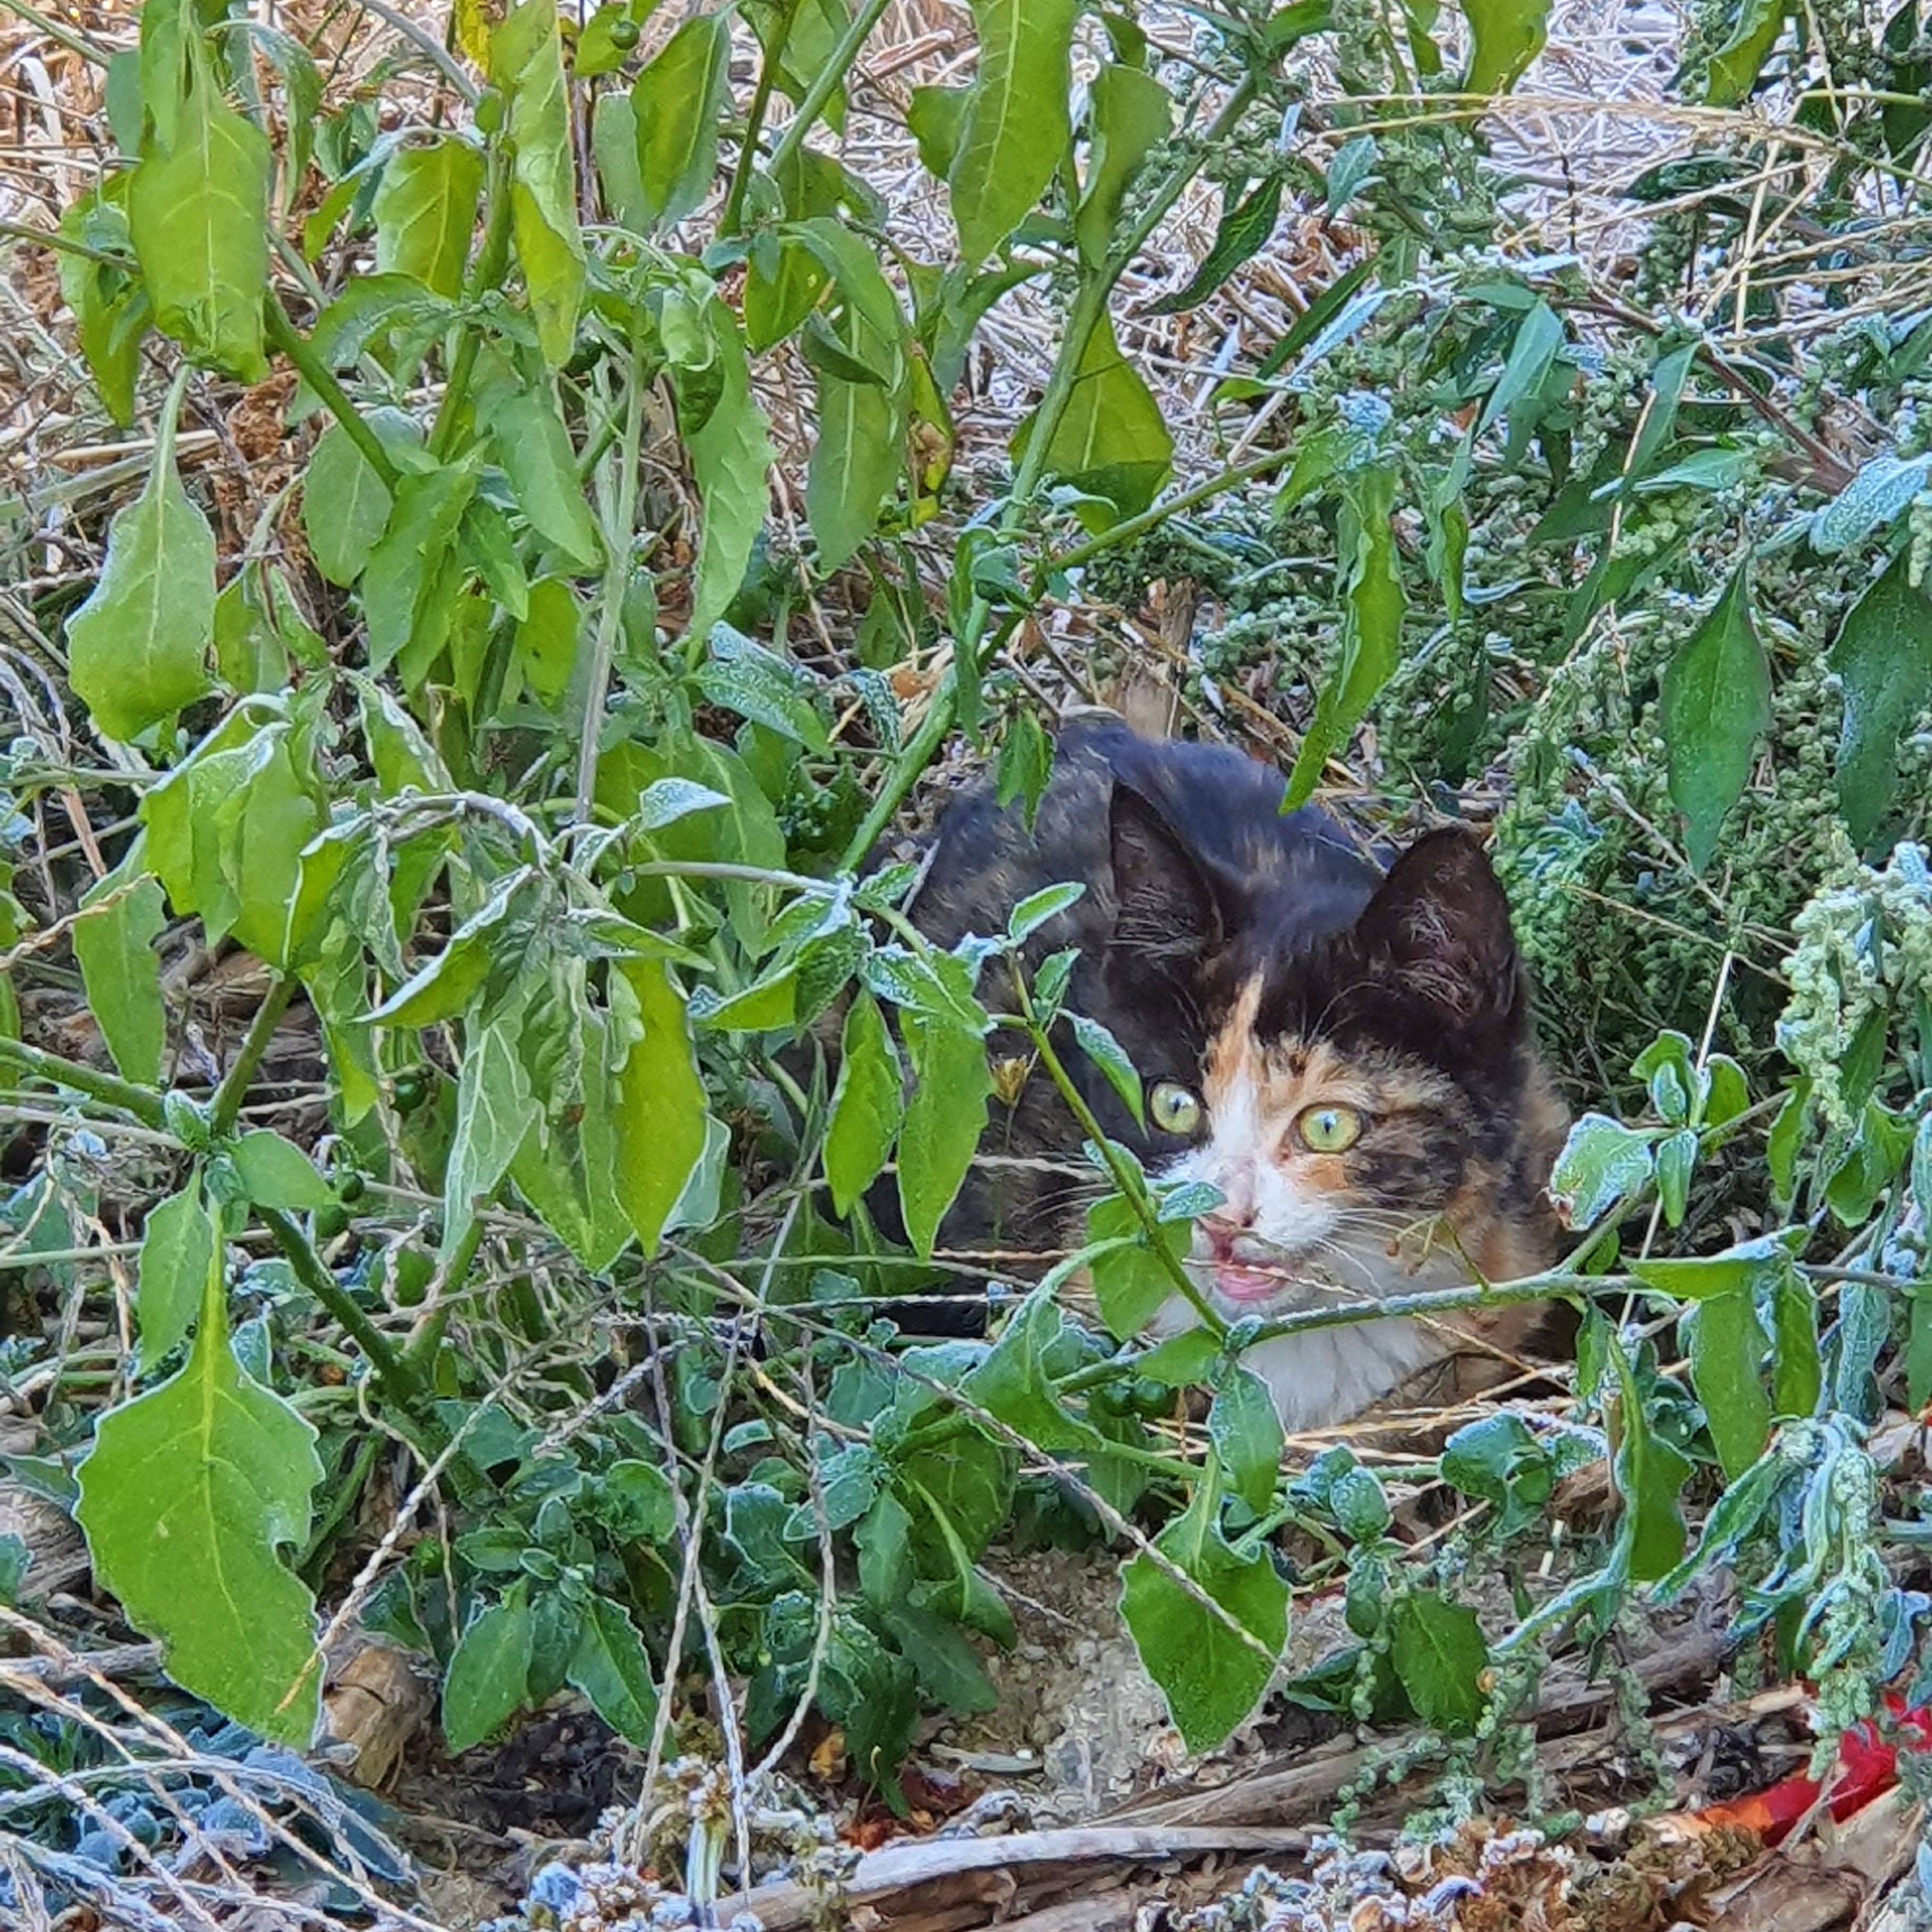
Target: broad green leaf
489,1675
610,1667
1247,1435
443,989
187,1495
1211,1677
1716,707
1181,1361
1752,1265
675,102
1498,1460
494,1109
1011,1383
178,1252
944,1118
1371,630
400,581
1132,111
1603,1162
758,684
1727,1350
137,649
1734,67
198,216
1111,440
261,828
1505,36
659,1121
1532,350
277,1174
1131,1283
936,116
1245,228
425,213
1016,125
526,64
534,449
1111,1058
345,504
566,1170
613,149
858,456
731,457
114,942
783,281
1034,910
868,1105
110,307
546,640
1437,1651
1882,655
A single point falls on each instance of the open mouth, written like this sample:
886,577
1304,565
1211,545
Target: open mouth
1245,1271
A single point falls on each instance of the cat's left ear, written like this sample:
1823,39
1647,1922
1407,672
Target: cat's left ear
1438,930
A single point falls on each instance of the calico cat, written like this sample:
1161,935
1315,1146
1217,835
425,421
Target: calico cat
1344,1054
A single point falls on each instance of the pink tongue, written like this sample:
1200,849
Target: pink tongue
1242,1284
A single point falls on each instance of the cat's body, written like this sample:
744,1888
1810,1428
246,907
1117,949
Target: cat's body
1345,1055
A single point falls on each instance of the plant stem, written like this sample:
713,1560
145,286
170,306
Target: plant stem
1090,306
1131,1186
732,221
226,1105
397,1376
297,347
75,43
1132,528
143,1103
830,77
618,530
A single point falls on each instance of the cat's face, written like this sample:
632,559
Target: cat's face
1365,1093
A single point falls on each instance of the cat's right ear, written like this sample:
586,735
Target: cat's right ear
1167,906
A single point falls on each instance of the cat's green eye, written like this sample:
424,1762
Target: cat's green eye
1328,1129
1175,1109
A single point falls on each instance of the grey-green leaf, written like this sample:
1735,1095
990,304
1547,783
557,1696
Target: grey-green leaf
277,1173
425,210
114,941
1716,707
177,1254
610,1666
1882,655
489,1675
943,1120
1437,1651
676,102
1247,1435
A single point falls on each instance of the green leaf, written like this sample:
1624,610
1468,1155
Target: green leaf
186,1497
1878,494
660,1102
110,307
1532,350
137,649
1131,1283
1131,113
1882,655
526,64
546,640
1245,228
198,215
425,212
758,684
1649,1473
947,1111
1727,1349
1437,1651
1011,1383
676,102
784,282
1371,632
1716,706
494,1109
400,581
731,457
1111,1058
597,51
114,942
276,1173
489,1675
1016,126
613,149
1735,66
1182,1361
1111,440
1603,1163
1211,1677
178,1253
936,116
1499,1461
533,448
346,505
868,1105
1505,36
610,1667
1034,911
1245,1433
857,458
